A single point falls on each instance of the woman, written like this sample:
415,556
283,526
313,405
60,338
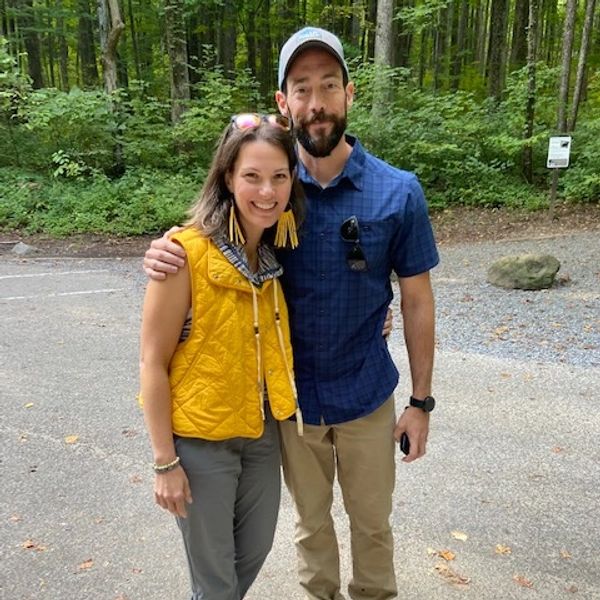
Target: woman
216,360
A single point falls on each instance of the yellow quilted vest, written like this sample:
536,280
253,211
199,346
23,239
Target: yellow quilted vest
215,391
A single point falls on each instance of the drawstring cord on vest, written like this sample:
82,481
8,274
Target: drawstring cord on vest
299,420
259,373
259,377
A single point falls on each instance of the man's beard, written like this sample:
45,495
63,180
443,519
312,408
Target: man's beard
324,144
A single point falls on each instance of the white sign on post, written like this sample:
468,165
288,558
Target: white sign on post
559,150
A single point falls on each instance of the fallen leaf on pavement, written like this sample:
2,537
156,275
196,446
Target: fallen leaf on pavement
500,331
572,589
86,564
522,581
446,555
451,576
501,549
459,535
565,554
31,545
71,439
557,449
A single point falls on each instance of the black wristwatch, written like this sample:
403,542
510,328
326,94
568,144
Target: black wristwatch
426,405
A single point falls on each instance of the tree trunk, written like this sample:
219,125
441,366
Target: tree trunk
370,28
403,37
111,27
251,41
550,30
563,95
439,47
134,41
228,39
384,54
383,33
50,45
531,89
3,20
567,49
582,64
32,44
459,46
177,50
195,24
482,34
449,39
62,47
86,48
145,49
289,21
357,19
267,85
519,46
423,56
496,48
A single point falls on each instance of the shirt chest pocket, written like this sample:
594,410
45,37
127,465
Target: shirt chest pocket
374,239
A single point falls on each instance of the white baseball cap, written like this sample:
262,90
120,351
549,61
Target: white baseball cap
310,37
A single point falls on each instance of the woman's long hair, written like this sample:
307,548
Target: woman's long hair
210,211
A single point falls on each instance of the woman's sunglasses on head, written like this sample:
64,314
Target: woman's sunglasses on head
252,120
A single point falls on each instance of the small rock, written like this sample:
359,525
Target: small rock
22,249
524,272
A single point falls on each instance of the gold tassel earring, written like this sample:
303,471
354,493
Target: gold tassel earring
286,228
235,231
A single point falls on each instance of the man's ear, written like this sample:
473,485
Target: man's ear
281,100
350,93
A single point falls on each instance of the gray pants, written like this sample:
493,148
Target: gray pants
231,522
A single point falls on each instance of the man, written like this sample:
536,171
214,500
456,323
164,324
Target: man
364,219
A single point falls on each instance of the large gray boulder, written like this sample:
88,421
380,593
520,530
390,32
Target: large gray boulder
524,272
21,249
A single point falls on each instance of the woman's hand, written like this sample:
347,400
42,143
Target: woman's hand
172,491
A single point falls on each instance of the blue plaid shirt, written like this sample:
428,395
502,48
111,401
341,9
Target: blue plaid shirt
342,364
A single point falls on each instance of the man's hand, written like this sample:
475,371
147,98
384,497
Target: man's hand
415,423
164,256
388,324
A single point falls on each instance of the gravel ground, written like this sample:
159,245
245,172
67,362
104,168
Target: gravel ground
561,324
77,517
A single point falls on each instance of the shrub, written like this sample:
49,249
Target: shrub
139,202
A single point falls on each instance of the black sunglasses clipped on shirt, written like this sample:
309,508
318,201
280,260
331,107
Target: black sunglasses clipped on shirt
350,232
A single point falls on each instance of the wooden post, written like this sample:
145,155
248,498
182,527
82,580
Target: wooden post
552,199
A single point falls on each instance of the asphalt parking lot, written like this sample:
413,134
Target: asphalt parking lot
505,505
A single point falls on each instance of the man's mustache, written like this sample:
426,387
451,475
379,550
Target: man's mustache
321,117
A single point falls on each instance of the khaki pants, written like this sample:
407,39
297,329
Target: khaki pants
363,452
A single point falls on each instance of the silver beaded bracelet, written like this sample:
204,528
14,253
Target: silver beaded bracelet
166,468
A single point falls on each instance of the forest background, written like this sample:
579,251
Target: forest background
110,109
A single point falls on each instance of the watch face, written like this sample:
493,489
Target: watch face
428,404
